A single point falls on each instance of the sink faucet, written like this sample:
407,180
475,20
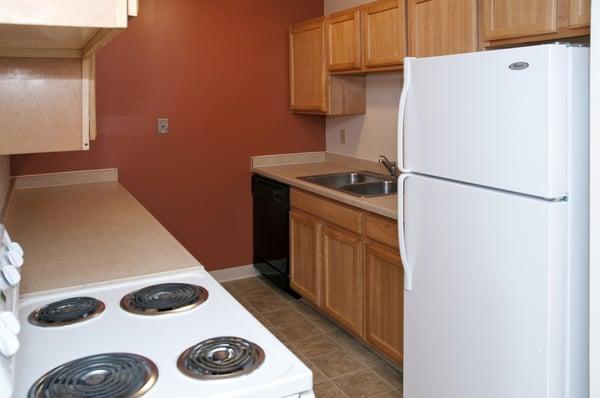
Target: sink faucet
391,166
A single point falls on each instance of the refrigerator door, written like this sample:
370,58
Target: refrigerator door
494,118
484,313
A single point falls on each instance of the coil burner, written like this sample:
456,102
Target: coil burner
164,298
221,357
66,312
116,375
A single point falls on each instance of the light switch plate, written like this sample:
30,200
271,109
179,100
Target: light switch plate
163,126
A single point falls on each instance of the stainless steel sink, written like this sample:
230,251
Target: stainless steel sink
340,179
359,183
379,188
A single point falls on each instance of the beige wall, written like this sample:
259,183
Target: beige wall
4,174
374,133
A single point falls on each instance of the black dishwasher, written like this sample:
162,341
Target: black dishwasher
271,204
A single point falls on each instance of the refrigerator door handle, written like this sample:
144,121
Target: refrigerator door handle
401,112
401,234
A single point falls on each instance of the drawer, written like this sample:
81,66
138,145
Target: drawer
334,213
382,230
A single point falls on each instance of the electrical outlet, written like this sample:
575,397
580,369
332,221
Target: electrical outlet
163,126
342,136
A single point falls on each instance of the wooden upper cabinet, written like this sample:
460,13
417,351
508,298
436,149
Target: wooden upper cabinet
60,28
344,41
305,272
514,18
307,71
509,22
47,70
441,27
311,89
384,40
579,13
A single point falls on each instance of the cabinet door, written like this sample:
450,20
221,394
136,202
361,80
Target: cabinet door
307,67
344,42
384,33
515,18
44,105
579,13
440,27
384,300
343,278
304,256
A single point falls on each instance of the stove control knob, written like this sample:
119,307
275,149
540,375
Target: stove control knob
10,245
13,258
14,246
9,344
9,321
11,275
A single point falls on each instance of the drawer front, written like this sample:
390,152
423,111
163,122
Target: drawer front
337,214
382,230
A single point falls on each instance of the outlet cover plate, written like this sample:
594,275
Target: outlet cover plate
163,126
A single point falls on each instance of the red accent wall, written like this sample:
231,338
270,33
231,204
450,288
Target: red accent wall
218,69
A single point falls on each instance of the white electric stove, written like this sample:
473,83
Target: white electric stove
179,334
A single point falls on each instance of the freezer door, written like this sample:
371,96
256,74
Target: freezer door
495,118
484,314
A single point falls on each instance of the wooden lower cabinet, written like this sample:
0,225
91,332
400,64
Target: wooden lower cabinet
343,278
305,272
384,307
345,261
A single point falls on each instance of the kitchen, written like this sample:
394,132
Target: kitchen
140,201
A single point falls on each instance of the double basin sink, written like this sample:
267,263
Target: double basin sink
358,183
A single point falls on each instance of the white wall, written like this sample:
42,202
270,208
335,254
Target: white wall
595,205
4,174
338,5
374,133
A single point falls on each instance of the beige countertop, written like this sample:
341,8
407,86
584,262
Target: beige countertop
288,173
88,233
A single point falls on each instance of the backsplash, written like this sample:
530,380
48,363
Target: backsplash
374,133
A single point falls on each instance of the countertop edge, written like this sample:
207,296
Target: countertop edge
355,201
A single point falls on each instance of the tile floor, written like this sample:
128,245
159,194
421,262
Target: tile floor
341,365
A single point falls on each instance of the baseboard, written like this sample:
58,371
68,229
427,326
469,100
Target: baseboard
230,274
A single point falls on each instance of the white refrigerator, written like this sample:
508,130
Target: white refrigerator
493,223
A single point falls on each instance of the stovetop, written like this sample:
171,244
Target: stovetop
162,339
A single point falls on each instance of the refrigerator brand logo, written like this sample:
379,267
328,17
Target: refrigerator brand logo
518,65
